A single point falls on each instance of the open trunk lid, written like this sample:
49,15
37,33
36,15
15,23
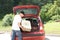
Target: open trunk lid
29,10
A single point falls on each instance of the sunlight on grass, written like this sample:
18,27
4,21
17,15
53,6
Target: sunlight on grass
52,28
5,28
2,28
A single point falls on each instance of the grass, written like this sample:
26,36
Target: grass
52,28
3,28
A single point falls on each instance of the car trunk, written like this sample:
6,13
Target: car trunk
34,24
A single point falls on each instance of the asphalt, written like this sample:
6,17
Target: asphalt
56,35
7,36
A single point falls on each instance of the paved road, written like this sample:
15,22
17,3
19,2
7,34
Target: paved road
6,36
52,38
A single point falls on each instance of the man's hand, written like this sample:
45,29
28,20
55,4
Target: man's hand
19,24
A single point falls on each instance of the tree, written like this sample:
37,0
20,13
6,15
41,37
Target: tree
44,11
58,2
5,7
48,11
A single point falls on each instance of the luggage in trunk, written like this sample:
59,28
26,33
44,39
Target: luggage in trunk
30,24
26,25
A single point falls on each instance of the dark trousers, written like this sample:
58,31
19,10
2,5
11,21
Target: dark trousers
16,33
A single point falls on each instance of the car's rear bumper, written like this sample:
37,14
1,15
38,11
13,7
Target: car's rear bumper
34,37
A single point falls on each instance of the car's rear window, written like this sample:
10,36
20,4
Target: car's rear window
27,11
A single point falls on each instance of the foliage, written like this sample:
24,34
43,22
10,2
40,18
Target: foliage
58,3
56,17
50,21
5,7
57,11
36,2
49,10
45,12
7,20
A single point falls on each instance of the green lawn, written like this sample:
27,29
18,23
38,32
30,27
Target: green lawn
52,28
4,29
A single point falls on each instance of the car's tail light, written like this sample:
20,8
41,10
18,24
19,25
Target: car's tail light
41,26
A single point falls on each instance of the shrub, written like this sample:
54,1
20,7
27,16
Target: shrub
56,17
50,21
7,20
47,12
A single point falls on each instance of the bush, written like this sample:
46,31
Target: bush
46,12
56,17
50,21
7,20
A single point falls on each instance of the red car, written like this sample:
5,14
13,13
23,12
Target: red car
31,14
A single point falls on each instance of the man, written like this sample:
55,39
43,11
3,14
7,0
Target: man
16,26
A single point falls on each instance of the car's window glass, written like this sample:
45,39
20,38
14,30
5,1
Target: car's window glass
27,11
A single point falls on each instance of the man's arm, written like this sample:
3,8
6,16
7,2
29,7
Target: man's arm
19,24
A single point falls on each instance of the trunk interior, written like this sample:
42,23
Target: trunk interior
34,24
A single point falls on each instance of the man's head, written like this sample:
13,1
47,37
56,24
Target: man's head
22,13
